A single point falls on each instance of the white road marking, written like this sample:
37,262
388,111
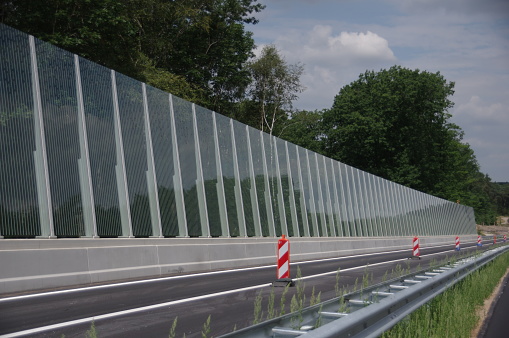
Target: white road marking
181,301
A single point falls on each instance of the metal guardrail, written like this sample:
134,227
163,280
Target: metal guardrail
373,310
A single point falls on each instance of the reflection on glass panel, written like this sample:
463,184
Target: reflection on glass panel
308,192
225,151
377,205
19,213
160,123
270,158
99,118
354,188
297,187
363,202
334,197
208,161
185,142
351,228
324,197
130,101
245,179
368,203
256,151
314,192
60,116
285,183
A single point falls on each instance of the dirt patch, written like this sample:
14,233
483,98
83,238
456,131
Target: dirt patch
488,230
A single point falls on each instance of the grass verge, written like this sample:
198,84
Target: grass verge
453,313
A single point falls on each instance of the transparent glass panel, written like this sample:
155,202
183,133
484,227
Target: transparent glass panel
332,203
209,167
245,179
60,115
99,118
285,183
130,101
297,190
270,157
19,206
306,195
185,141
256,151
324,198
225,150
160,123
318,213
348,195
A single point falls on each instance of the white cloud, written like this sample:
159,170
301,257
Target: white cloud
331,60
321,46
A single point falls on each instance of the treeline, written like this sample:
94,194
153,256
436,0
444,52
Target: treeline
393,123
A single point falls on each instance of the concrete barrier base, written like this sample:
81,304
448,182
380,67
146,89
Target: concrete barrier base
36,264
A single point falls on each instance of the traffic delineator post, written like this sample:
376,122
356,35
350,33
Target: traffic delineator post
283,263
494,239
457,243
479,240
505,238
416,253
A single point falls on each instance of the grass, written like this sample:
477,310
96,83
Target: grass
453,313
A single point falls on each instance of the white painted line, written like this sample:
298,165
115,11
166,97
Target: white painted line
181,301
154,280
126,312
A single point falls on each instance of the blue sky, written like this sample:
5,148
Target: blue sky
467,41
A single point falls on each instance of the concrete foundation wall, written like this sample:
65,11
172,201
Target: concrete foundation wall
35,264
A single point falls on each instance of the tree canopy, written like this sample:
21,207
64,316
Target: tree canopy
194,48
273,87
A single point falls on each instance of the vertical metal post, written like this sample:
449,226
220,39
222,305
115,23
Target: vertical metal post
253,192
153,195
280,197
221,198
268,197
312,205
177,177
87,194
238,188
332,223
200,182
40,157
293,207
123,192
303,207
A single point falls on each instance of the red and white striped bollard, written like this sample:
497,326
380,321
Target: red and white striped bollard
479,240
416,252
283,263
457,243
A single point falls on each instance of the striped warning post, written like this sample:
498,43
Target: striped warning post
505,238
479,240
494,239
416,252
457,243
283,258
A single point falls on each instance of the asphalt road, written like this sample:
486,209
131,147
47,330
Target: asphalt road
147,308
497,323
